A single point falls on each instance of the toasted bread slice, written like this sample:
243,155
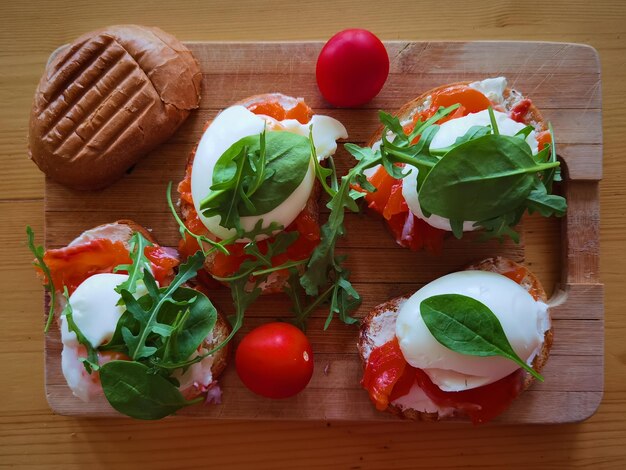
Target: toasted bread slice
276,280
379,327
123,230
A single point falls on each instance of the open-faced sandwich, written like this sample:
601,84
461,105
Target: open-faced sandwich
466,344
130,327
252,176
462,157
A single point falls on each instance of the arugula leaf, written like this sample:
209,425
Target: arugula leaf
148,317
467,326
91,361
391,123
552,174
501,226
140,262
344,299
546,204
132,389
38,252
255,175
322,173
200,239
323,259
494,122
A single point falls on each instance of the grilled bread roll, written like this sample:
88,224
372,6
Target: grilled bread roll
106,100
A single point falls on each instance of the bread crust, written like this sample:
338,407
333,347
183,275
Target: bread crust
498,265
534,117
276,281
106,100
118,230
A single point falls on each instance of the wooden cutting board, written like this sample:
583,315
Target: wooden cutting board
564,82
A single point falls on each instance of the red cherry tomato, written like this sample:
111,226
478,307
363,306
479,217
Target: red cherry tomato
352,68
275,360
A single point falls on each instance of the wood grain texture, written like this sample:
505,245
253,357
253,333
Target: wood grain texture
32,437
335,392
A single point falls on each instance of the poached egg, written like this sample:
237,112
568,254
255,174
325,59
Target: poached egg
237,122
523,319
96,313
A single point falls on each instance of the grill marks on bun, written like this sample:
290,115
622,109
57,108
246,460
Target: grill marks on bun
111,97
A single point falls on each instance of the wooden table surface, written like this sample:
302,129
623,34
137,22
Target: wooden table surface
31,436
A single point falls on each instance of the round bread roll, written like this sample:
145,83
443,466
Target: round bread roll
106,100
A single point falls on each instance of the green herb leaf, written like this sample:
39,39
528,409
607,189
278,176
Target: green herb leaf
472,133
91,362
201,239
494,122
132,389
525,132
140,262
457,228
481,179
148,317
190,328
501,226
467,326
38,252
465,185
344,299
322,173
546,204
240,190
323,260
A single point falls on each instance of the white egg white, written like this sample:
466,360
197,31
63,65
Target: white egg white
237,122
96,313
523,320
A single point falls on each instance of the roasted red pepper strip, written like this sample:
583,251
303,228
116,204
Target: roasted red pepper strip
71,265
481,404
384,368
519,111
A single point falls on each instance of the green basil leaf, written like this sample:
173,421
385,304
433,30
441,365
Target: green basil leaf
467,326
481,179
199,320
236,191
457,228
132,389
472,133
